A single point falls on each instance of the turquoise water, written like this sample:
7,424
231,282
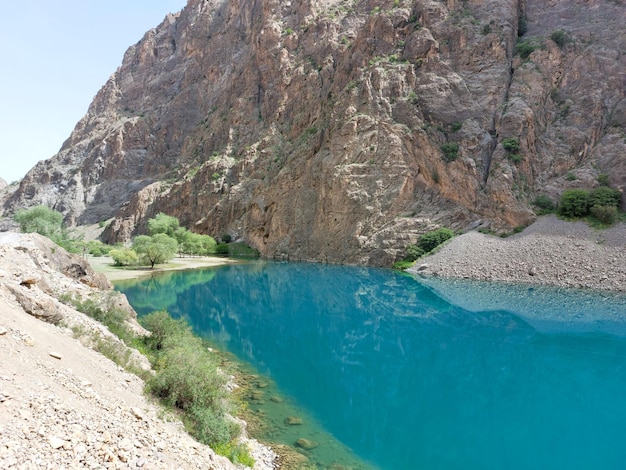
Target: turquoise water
406,379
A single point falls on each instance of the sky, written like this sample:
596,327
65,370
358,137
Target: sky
56,56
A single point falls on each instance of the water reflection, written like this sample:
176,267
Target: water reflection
405,378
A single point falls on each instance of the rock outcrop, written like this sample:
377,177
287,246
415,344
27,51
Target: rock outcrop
339,131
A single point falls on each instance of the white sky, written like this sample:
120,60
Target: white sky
56,56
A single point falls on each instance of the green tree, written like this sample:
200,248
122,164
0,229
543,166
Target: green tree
430,240
39,219
163,223
574,203
605,196
155,249
208,244
124,257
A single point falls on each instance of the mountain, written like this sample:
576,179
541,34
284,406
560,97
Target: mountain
339,130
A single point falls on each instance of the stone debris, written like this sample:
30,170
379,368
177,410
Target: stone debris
549,252
79,410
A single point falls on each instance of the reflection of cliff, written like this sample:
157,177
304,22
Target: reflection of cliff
386,365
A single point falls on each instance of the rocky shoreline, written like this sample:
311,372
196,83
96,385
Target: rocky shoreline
549,252
64,405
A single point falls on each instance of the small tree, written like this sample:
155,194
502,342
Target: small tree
605,214
208,244
605,196
430,240
163,223
39,219
155,249
124,257
574,203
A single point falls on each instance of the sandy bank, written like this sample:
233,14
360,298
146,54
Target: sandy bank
104,265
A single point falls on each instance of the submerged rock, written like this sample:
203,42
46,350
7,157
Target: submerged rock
306,444
293,420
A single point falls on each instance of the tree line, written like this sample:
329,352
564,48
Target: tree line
166,238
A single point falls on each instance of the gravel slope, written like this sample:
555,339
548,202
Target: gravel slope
62,404
549,252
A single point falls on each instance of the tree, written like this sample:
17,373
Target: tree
163,223
605,196
40,219
124,257
155,249
574,203
208,244
430,240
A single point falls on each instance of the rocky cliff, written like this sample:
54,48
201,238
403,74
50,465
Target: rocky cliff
339,130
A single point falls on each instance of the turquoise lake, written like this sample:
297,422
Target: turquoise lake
391,372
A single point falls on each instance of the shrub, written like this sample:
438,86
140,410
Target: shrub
40,219
221,249
511,144
574,203
236,453
124,257
571,176
605,214
603,179
605,196
413,252
402,264
187,378
559,37
544,203
450,151
430,240
525,48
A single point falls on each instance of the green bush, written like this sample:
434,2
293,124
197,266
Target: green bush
603,179
402,264
124,257
605,214
559,37
431,240
221,249
450,151
605,196
544,203
511,144
525,48
413,252
574,203
39,219
187,378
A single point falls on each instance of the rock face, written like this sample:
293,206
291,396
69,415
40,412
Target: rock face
339,131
